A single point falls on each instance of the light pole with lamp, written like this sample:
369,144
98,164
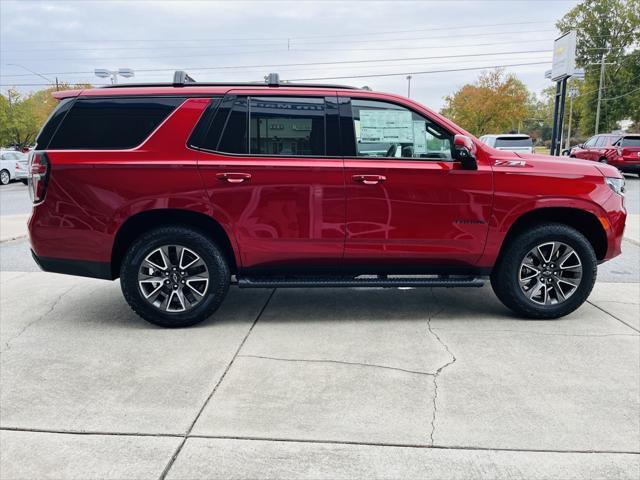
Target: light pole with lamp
113,74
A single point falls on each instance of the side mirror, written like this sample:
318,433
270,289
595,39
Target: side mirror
465,151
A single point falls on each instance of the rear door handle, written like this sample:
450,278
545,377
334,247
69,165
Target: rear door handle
369,179
231,177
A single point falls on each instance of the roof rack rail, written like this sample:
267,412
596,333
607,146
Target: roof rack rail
182,79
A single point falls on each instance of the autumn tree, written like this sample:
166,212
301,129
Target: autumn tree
495,103
22,116
608,29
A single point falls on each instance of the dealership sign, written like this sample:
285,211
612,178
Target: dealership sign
564,56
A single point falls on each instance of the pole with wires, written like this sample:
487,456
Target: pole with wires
600,87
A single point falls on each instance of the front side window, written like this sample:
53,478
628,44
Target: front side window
111,123
601,142
591,142
387,130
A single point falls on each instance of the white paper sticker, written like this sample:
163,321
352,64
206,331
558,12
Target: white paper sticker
386,126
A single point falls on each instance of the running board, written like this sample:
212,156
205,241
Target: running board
361,281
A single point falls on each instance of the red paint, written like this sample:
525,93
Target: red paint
311,211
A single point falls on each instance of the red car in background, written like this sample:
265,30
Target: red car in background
621,151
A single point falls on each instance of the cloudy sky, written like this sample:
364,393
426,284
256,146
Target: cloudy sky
361,41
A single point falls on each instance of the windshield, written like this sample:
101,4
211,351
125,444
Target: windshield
513,142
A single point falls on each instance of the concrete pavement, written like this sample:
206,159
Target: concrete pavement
317,383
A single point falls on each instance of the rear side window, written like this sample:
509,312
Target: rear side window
287,126
630,142
513,142
113,123
270,125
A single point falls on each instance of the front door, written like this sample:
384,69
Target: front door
272,170
408,202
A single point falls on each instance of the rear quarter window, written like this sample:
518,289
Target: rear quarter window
630,142
513,142
111,123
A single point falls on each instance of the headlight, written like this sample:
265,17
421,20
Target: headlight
616,184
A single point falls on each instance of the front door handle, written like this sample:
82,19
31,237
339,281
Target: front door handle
232,177
369,179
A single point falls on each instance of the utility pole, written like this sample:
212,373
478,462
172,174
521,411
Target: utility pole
600,86
408,86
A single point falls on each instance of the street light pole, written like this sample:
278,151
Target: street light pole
600,85
572,93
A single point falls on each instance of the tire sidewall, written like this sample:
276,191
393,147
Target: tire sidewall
218,275
507,283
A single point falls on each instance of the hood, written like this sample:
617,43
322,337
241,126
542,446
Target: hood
568,165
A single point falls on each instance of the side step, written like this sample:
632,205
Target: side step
265,281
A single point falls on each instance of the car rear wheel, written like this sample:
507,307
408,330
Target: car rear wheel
174,277
545,272
5,178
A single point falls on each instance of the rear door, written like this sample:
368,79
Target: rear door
412,206
273,173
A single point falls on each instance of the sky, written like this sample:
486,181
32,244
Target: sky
246,40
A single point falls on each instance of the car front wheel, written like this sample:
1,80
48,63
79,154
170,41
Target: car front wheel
5,178
545,272
174,276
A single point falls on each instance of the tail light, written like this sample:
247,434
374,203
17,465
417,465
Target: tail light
38,171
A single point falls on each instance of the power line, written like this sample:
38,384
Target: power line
146,57
485,67
276,65
418,73
623,95
292,37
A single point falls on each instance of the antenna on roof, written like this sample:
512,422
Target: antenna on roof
181,78
273,79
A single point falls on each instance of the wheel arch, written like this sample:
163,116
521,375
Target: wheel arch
142,222
583,221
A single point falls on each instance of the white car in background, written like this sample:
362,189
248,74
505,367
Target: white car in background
13,166
512,142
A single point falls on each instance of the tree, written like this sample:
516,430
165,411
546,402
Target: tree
609,29
22,117
495,103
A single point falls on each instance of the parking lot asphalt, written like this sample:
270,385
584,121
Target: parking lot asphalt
317,383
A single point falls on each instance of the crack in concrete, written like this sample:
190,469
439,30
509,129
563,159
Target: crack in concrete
186,435
314,441
339,362
439,370
551,334
613,316
41,317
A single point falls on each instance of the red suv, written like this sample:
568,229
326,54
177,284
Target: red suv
621,151
183,189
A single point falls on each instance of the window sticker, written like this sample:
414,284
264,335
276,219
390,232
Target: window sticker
386,126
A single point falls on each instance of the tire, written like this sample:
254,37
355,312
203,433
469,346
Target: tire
5,177
25,181
603,160
177,304
513,266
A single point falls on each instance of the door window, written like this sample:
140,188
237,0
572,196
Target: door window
287,126
601,142
387,130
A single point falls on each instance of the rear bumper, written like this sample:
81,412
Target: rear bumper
82,268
